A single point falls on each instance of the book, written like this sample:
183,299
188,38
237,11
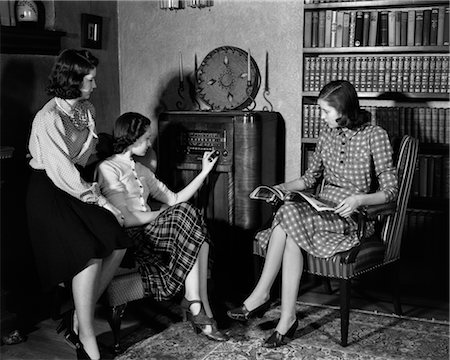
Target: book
328,20
308,29
359,28
352,26
403,28
315,29
411,27
398,24
391,28
366,23
321,29
383,28
373,26
446,26
426,27
339,28
434,26
333,29
275,195
418,35
440,30
346,29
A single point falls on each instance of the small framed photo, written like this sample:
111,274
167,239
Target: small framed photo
91,31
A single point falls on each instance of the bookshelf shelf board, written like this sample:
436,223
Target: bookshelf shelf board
389,95
374,4
16,40
444,49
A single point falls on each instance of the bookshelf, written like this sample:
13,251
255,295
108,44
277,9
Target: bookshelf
396,53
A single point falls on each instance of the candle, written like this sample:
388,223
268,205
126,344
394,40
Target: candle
181,68
195,66
248,66
266,86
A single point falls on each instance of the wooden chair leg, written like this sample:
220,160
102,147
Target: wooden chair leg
395,284
345,309
115,322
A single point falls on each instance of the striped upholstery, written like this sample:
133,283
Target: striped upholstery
376,251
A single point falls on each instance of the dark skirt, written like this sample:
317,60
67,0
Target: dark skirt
66,233
167,248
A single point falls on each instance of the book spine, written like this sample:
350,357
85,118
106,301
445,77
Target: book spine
321,29
422,130
401,66
352,26
419,28
373,27
423,166
411,27
418,74
404,28
359,28
425,74
306,74
437,184
444,75
387,74
394,74
381,73
434,125
306,117
398,25
434,26
339,28
446,26
428,126
391,28
384,28
366,24
328,21
346,29
426,27
307,33
333,39
440,29
432,74
315,29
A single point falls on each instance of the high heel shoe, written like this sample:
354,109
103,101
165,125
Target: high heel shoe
241,313
81,353
201,321
276,339
66,325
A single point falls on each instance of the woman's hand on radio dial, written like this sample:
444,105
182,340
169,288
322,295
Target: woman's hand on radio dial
209,160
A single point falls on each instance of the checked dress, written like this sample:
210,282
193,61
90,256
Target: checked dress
347,159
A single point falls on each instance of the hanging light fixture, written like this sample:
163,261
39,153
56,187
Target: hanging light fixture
182,4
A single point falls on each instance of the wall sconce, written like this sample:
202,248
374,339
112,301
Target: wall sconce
182,4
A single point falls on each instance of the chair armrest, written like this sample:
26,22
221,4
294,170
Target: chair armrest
371,212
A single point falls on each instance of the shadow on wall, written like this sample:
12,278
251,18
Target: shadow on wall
19,85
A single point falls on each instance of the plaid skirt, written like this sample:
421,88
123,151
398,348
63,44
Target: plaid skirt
321,234
166,249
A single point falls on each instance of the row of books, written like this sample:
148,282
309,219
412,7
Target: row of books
413,27
428,124
420,223
409,73
431,177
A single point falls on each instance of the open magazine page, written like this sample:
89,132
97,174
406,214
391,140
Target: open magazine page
317,204
267,193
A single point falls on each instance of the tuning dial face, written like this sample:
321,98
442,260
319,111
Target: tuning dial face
222,79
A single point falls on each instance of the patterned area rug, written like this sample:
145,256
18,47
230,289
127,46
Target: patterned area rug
372,336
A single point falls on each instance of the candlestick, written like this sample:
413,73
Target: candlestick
266,85
195,65
248,66
181,67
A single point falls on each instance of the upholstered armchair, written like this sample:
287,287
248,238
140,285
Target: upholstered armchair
380,250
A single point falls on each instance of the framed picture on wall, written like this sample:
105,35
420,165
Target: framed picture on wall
91,31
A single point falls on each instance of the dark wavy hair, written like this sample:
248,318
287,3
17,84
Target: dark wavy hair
128,128
68,72
341,95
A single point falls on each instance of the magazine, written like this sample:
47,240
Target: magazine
274,195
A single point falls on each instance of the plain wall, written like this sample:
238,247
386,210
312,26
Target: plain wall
150,40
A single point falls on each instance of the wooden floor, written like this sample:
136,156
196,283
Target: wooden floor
43,342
